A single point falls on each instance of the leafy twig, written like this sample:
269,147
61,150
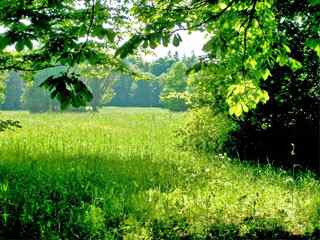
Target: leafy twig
245,35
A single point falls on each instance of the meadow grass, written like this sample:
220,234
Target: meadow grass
118,174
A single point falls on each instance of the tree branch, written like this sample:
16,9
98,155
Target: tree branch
19,68
245,35
87,33
213,17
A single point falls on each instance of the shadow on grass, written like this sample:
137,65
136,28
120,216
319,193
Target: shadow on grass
256,229
59,196
85,197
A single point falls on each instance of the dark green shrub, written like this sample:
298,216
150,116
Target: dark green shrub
205,130
285,130
174,102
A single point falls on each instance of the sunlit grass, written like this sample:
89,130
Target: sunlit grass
117,174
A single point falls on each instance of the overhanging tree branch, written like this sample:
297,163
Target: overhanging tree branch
245,35
137,39
87,34
212,17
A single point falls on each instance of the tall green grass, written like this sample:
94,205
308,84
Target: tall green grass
118,175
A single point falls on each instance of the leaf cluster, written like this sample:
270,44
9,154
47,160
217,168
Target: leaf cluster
50,33
68,89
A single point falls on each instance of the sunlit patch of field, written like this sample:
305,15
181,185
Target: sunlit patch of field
118,175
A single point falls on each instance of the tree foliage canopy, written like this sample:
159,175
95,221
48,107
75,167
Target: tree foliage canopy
49,33
245,39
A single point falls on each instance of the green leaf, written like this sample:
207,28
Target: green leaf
128,47
153,43
110,34
252,63
4,42
317,49
145,44
286,48
28,43
166,40
176,40
20,45
245,108
92,57
266,74
295,64
314,2
264,96
314,44
282,60
236,110
68,89
195,68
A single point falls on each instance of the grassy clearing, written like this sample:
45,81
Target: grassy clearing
117,175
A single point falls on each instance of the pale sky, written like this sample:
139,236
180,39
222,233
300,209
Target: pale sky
190,43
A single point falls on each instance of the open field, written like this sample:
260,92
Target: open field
118,175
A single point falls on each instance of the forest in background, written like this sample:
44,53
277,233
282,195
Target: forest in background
167,75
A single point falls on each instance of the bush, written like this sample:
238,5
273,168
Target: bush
174,102
285,130
205,130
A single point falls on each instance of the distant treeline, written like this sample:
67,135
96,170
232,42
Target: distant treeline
167,75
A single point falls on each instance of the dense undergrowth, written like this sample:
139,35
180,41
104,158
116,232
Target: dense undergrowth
118,175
